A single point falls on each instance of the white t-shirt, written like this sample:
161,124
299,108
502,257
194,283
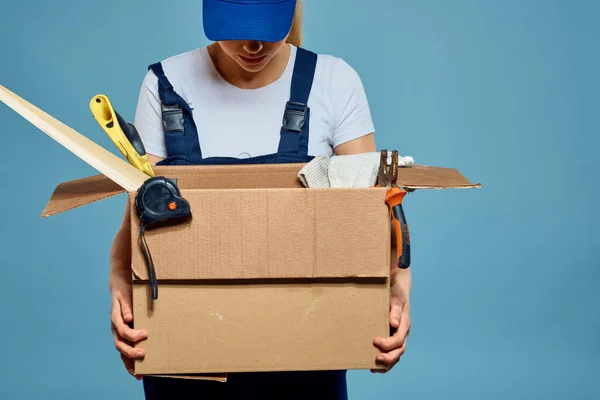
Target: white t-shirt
235,122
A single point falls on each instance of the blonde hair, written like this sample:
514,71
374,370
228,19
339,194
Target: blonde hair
295,35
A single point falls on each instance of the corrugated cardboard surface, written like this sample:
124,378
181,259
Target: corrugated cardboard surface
426,177
271,233
224,327
79,192
264,279
251,176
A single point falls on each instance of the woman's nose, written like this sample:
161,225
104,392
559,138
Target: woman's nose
253,46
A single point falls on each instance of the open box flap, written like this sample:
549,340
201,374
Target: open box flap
286,176
79,192
249,176
427,177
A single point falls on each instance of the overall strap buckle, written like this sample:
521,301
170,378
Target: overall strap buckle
294,116
172,117
294,130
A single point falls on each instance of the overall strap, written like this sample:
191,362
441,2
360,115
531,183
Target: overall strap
294,130
181,136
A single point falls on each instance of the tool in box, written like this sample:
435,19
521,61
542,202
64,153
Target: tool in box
159,203
123,134
158,200
387,177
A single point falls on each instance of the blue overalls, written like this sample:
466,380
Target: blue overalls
183,148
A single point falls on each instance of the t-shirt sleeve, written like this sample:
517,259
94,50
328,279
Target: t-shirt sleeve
148,117
352,115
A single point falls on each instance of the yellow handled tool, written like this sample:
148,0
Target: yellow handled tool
123,134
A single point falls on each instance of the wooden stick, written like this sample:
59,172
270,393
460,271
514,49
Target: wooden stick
107,163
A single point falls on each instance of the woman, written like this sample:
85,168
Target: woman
252,96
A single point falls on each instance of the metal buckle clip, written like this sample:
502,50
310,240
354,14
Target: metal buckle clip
172,117
294,116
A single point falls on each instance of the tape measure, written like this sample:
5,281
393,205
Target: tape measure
159,203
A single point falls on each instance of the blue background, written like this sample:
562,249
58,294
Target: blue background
505,298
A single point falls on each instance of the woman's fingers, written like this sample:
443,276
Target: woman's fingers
385,370
392,342
392,356
123,335
399,337
395,314
389,359
125,309
128,362
125,349
393,348
119,324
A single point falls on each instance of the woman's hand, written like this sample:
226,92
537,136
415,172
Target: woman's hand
392,348
121,316
124,337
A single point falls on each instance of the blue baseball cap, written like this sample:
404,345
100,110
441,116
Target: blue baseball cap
264,20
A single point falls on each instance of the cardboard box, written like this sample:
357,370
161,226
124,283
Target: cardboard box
266,276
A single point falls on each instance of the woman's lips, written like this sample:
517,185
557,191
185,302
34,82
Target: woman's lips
253,60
